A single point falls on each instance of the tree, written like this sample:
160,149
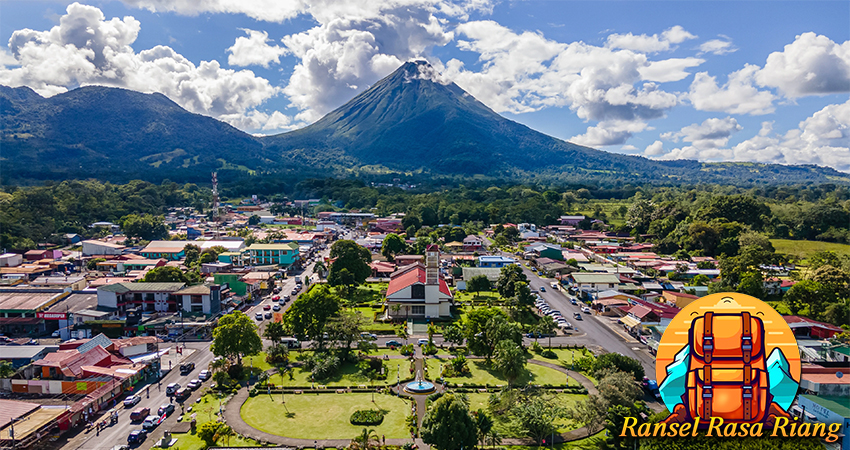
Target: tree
448,426
92,263
700,280
393,245
523,294
478,283
508,277
486,327
401,332
145,226
752,283
192,252
805,293
617,362
6,369
509,359
589,413
320,269
344,329
165,274
453,334
616,418
207,432
537,416
547,326
619,388
236,336
223,432
274,332
352,257
366,440
254,220
483,424
310,312
834,280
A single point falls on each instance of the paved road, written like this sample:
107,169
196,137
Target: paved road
117,434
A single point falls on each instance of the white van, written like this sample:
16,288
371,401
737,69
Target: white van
290,342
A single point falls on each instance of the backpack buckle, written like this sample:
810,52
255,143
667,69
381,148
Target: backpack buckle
748,392
746,343
708,342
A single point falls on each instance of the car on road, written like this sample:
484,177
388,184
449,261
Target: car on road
204,375
268,315
131,401
290,342
534,335
258,316
150,422
185,368
194,384
542,288
285,298
276,307
573,301
393,344
171,389
267,307
137,437
422,342
276,297
652,387
139,414
369,336
553,312
182,394
586,309
577,316
165,408
294,292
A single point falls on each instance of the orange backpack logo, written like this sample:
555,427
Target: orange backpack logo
730,356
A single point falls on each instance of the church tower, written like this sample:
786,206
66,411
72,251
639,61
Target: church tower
432,265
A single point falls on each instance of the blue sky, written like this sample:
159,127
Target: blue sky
715,81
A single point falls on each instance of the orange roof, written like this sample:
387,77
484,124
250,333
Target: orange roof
825,378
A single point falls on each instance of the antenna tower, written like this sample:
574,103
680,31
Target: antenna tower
215,204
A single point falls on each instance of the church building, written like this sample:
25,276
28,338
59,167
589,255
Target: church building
419,292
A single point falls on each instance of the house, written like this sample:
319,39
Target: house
21,355
805,327
238,259
570,220
496,262
492,273
473,243
202,298
72,238
19,309
147,296
36,255
677,299
134,346
552,267
11,260
169,250
590,282
827,410
382,269
75,283
544,250
208,268
607,301
94,247
405,260
420,292
283,255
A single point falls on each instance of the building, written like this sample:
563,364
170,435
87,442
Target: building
11,260
283,255
590,281
827,410
100,248
405,260
238,259
75,283
37,255
382,269
492,273
544,250
677,299
496,262
21,355
19,309
147,296
200,299
805,327
420,292
570,220
473,243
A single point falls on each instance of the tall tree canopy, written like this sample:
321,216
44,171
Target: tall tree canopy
448,425
309,314
351,257
236,336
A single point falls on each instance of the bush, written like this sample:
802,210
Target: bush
549,354
367,417
235,371
407,350
222,380
429,349
278,355
536,347
324,366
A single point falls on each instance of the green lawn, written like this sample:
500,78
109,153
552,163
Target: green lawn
561,355
205,412
323,416
348,375
480,401
480,374
588,443
804,249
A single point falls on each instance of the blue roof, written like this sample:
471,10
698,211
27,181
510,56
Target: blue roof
100,340
495,258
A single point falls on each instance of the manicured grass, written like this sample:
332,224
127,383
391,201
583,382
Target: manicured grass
324,416
588,443
205,411
480,401
562,355
348,375
481,374
258,361
804,249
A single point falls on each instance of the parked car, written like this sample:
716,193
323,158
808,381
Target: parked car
258,316
165,408
171,389
652,387
182,394
586,309
204,375
150,422
285,298
422,342
534,335
194,384
393,344
276,307
294,292
369,336
577,316
542,288
186,368
573,301
267,307
276,297
139,414
268,315
131,401
137,437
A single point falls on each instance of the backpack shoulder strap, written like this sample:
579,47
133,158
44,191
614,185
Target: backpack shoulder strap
747,350
707,391
708,336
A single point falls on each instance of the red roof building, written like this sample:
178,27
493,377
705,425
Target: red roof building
803,326
419,291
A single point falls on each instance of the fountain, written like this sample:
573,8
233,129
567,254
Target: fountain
419,386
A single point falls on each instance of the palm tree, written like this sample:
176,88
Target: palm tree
219,364
493,438
547,326
224,431
365,439
401,332
432,330
320,269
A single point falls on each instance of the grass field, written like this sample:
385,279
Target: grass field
804,249
480,374
324,416
348,375
205,411
588,443
480,401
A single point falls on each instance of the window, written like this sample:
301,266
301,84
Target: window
197,308
417,291
417,310
197,299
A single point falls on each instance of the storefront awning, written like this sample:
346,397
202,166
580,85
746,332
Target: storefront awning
630,322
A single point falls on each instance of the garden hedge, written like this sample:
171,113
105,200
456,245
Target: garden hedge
367,417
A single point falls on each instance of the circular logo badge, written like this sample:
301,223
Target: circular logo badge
728,355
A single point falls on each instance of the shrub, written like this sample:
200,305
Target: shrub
324,366
429,349
367,417
222,380
278,355
536,347
407,350
235,371
548,354
459,365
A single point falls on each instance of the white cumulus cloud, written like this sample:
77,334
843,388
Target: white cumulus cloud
654,149
738,95
87,49
711,133
811,65
717,47
667,70
608,133
649,44
254,50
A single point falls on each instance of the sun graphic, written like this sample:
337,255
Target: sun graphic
777,333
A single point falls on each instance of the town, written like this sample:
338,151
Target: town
295,324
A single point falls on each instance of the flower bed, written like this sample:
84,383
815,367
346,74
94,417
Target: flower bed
367,417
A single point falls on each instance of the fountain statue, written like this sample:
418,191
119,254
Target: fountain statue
419,386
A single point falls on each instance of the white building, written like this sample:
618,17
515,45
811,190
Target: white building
418,291
11,260
95,247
